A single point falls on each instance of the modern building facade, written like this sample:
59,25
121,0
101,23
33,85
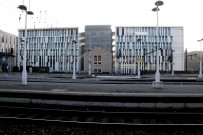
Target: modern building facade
82,48
98,37
50,47
8,43
135,45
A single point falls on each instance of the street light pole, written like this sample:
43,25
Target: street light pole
90,49
138,67
157,83
172,62
200,63
74,76
24,72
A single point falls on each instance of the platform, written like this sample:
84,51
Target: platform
127,90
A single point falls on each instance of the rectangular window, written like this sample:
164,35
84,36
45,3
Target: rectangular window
95,70
171,38
6,38
2,40
99,70
95,59
99,59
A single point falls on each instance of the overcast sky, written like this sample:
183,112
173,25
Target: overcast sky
78,13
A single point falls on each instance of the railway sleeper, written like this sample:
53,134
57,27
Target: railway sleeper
150,106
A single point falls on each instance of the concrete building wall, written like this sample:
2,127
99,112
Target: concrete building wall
192,60
8,45
98,36
97,54
178,47
7,42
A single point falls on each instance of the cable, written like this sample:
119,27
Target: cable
9,9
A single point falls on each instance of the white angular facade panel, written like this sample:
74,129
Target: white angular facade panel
50,47
138,45
177,31
178,47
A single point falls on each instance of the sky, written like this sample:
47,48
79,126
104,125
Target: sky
78,13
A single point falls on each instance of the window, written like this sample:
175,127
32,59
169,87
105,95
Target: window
99,70
99,59
93,33
95,59
2,39
10,39
171,38
6,38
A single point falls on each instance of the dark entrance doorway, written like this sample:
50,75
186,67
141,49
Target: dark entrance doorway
4,67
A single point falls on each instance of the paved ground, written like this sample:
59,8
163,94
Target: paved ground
89,88
64,76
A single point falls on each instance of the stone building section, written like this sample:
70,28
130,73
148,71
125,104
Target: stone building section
101,60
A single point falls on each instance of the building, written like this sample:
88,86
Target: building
101,59
135,45
192,61
8,43
82,46
98,37
51,48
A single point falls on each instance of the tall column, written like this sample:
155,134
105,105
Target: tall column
24,73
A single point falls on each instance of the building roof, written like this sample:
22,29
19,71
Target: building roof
50,28
97,27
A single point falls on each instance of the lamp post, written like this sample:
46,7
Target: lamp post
90,63
24,72
74,44
200,63
157,83
138,67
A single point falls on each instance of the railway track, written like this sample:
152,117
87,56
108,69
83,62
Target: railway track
101,117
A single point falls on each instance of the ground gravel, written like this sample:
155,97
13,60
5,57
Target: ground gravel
10,128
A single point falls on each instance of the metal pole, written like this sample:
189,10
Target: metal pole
139,68
200,64
24,72
139,64
157,83
90,65
74,77
186,59
157,76
172,63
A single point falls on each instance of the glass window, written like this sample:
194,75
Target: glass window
169,31
99,70
171,38
2,39
95,59
99,59
145,39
